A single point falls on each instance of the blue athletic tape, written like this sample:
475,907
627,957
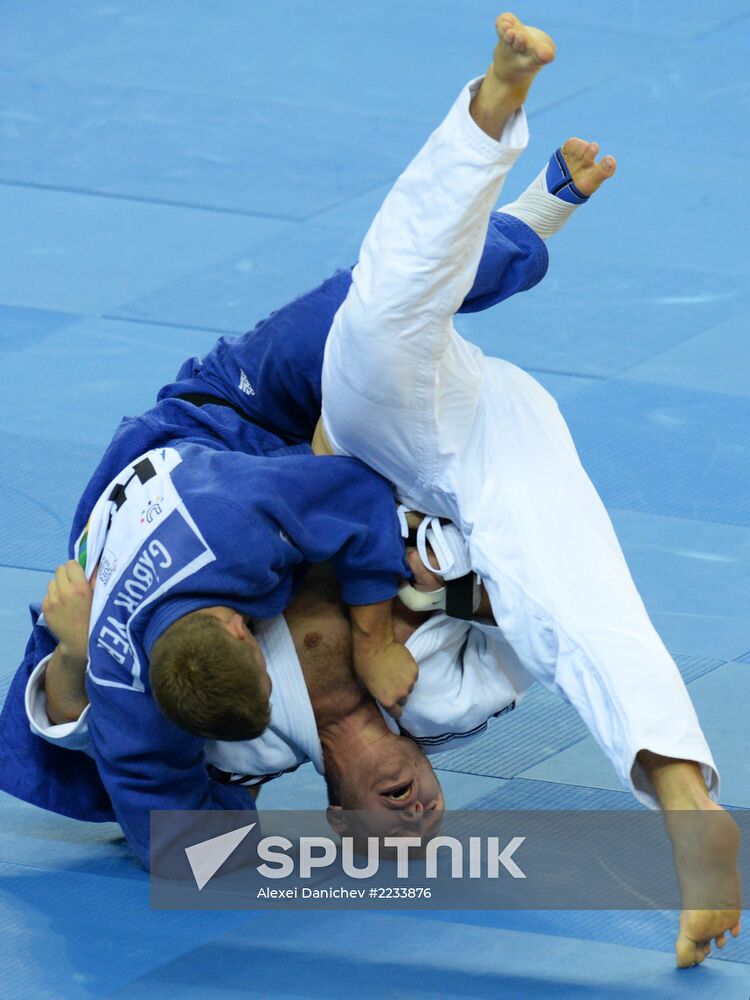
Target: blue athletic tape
560,183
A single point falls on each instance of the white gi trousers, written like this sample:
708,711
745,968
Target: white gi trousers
477,440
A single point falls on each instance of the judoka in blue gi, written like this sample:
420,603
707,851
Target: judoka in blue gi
201,552
185,543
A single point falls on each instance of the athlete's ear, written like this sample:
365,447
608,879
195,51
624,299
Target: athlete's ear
237,627
337,820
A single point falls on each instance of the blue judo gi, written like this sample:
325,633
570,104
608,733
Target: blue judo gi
271,376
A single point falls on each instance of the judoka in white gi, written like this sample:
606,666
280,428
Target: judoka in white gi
477,441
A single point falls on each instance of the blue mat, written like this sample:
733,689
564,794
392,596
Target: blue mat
235,293
682,453
89,373
693,577
172,171
719,698
85,254
624,313
716,361
379,955
522,794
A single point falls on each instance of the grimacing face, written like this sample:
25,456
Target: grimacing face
396,795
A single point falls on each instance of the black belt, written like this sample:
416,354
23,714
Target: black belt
459,597
204,399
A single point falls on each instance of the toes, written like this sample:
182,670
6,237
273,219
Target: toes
589,154
505,24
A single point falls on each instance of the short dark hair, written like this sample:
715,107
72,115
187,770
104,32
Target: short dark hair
208,682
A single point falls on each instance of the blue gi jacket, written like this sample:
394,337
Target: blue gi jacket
219,528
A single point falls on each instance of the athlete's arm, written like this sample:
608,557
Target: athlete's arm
386,667
280,513
67,608
144,762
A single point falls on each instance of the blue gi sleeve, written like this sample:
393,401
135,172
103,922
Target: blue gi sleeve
514,259
64,781
273,372
268,517
348,515
147,763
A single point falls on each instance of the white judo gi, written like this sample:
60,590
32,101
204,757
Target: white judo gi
477,440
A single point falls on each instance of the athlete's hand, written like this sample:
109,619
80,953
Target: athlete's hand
424,578
389,672
67,609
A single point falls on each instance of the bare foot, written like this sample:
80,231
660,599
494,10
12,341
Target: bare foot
698,928
706,856
587,174
520,53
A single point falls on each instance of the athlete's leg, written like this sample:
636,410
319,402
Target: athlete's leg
558,582
393,342
562,594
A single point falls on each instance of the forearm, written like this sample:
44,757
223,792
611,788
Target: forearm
385,667
65,686
372,625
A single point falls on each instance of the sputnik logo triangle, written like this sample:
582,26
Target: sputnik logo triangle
207,857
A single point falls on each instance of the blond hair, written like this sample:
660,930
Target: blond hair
208,682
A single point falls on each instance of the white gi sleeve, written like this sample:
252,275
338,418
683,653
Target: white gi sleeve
69,735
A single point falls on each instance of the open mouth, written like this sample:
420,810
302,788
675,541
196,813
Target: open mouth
401,795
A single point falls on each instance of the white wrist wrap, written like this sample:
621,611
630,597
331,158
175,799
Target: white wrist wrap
422,600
